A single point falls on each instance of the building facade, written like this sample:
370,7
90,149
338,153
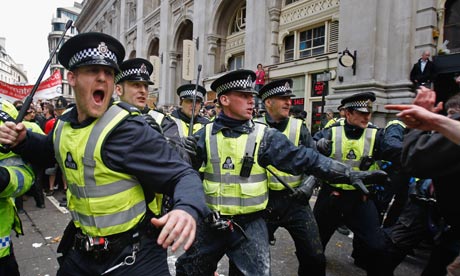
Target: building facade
58,24
10,71
330,48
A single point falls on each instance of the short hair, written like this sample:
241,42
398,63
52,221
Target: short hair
453,102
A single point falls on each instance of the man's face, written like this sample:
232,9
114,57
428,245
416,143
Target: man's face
426,55
238,105
187,105
93,86
133,92
278,107
358,118
452,111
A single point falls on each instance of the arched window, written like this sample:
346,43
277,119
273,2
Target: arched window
239,20
452,25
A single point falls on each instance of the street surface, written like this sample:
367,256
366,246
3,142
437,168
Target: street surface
36,250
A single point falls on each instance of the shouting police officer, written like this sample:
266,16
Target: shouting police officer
113,163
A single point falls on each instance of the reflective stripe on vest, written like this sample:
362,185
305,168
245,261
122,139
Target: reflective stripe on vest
157,116
183,127
395,122
107,202
225,190
364,146
292,132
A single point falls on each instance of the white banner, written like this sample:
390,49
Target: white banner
188,60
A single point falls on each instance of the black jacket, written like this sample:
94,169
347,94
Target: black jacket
419,77
431,155
133,147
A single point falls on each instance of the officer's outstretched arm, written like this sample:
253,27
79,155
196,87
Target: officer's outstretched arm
278,151
15,179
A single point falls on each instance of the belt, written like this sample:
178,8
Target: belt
242,219
102,247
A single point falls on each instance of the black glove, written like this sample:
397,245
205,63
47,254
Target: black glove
324,146
359,178
189,144
4,179
303,192
152,123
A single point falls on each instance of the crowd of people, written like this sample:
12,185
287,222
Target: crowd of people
219,178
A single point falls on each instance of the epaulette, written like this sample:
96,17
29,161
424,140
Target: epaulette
130,108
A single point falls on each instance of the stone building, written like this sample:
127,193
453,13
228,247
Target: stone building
330,48
10,71
58,23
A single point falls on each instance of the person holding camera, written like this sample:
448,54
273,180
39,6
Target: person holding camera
234,152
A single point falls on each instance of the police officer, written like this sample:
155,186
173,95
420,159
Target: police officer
294,215
354,141
183,115
234,152
16,177
114,163
132,87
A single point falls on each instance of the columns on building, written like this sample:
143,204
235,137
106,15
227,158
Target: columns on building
382,41
274,33
141,51
257,40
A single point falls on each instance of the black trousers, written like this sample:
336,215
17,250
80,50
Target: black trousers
299,221
150,260
335,207
8,264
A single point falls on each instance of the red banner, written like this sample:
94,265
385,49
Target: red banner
48,89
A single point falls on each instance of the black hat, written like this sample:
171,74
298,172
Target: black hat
340,107
61,103
136,69
281,87
186,91
361,101
239,80
91,49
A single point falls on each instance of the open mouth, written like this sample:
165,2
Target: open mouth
98,96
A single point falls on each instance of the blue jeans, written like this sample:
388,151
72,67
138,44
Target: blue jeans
250,255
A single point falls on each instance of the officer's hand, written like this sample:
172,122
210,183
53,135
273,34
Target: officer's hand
359,178
152,123
189,144
324,146
12,134
178,227
303,192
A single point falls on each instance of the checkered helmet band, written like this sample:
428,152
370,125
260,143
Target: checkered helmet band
235,84
359,104
131,71
91,53
189,94
281,90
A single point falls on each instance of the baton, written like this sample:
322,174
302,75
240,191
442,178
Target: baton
30,97
281,180
190,128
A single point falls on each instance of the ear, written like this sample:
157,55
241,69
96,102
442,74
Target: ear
71,78
224,100
119,90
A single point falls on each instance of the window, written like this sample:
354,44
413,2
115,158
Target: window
452,25
239,21
312,42
236,62
289,48
290,2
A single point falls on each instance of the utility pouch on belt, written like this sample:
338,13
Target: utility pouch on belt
248,162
